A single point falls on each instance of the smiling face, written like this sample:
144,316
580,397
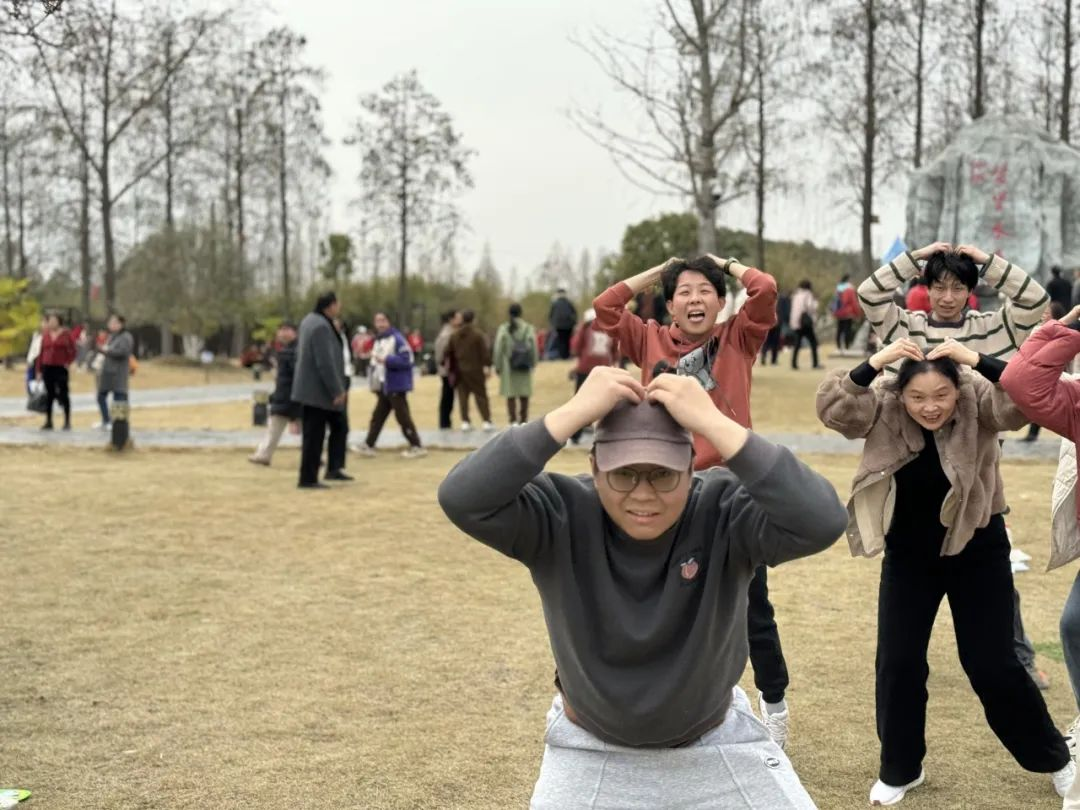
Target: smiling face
695,305
643,513
948,297
930,399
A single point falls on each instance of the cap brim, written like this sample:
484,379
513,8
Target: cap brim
612,455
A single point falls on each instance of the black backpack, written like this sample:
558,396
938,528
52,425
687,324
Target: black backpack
521,356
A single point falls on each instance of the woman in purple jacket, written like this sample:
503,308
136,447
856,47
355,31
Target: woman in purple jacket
390,376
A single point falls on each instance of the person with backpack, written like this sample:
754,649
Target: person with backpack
515,357
562,318
845,308
804,307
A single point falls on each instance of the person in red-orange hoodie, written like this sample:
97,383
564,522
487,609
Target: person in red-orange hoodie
57,353
720,357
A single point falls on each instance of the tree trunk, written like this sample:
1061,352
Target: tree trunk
978,110
282,186
170,221
21,170
1066,81
241,237
869,134
9,245
403,293
706,149
762,145
84,204
920,80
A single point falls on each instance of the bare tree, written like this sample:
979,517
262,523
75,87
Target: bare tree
414,165
127,82
689,83
1067,74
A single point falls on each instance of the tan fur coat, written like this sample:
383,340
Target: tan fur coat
967,445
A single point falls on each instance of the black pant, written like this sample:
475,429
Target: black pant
446,404
56,390
766,656
979,584
845,333
399,404
772,344
579,380
315,422
808,333
512,408
562,342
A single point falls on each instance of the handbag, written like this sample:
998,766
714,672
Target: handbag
38,400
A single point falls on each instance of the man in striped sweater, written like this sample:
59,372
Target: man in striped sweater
951,275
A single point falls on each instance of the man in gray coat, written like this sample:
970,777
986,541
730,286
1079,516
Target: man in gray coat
320,387
113,365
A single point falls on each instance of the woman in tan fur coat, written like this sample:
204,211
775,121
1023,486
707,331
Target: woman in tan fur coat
929,493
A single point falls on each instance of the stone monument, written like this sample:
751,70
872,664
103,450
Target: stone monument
1007,186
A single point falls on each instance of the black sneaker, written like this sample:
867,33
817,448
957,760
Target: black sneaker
316,485
47,426
338,475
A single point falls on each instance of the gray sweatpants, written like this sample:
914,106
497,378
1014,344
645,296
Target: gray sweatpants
735,766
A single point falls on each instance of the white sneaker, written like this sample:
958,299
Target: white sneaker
103,426
488,427
1063,779
364,450
777,723
465,427
882,795
414,452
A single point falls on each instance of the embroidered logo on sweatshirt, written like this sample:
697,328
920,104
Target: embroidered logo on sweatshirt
689,569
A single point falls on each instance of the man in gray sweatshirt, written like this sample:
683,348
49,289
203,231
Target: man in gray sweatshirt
642,569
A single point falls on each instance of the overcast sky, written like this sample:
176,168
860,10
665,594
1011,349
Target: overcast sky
507,73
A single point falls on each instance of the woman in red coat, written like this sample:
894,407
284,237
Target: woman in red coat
57,353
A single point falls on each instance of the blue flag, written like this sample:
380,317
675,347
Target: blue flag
895,249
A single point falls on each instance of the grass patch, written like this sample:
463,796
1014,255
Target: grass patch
181,629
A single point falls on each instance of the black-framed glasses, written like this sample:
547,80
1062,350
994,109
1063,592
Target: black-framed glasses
626,479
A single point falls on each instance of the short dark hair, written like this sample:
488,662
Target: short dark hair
845,277
515,310
946,262
468,316
669,279
805,284
911,368
119,317
448,316
287,325
325,300
54,314
1055,271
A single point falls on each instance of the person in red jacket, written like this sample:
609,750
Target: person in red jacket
918,297
57,353
847,311
592,347
720,357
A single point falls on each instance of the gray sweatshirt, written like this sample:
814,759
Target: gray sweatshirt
649,638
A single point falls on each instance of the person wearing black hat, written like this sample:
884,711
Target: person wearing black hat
320,387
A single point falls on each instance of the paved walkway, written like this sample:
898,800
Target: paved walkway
154,397
830,444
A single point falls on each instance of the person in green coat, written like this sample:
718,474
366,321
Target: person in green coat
515,358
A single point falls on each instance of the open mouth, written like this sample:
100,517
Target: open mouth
696,317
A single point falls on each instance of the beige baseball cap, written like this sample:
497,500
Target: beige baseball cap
644,433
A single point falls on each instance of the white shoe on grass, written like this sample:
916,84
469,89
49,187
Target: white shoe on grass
466,427
882,795
776,723
365,451
1063,779
414,452
488,427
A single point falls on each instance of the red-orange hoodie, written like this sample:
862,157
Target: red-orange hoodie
740,339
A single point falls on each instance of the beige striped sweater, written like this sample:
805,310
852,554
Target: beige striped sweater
998,334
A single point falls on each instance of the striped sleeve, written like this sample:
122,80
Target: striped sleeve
1025,302
888,320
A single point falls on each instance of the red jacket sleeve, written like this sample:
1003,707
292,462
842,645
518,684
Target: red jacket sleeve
624,326
758,313
1033,379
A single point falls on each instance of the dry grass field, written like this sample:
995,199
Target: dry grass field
151,374
183,630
